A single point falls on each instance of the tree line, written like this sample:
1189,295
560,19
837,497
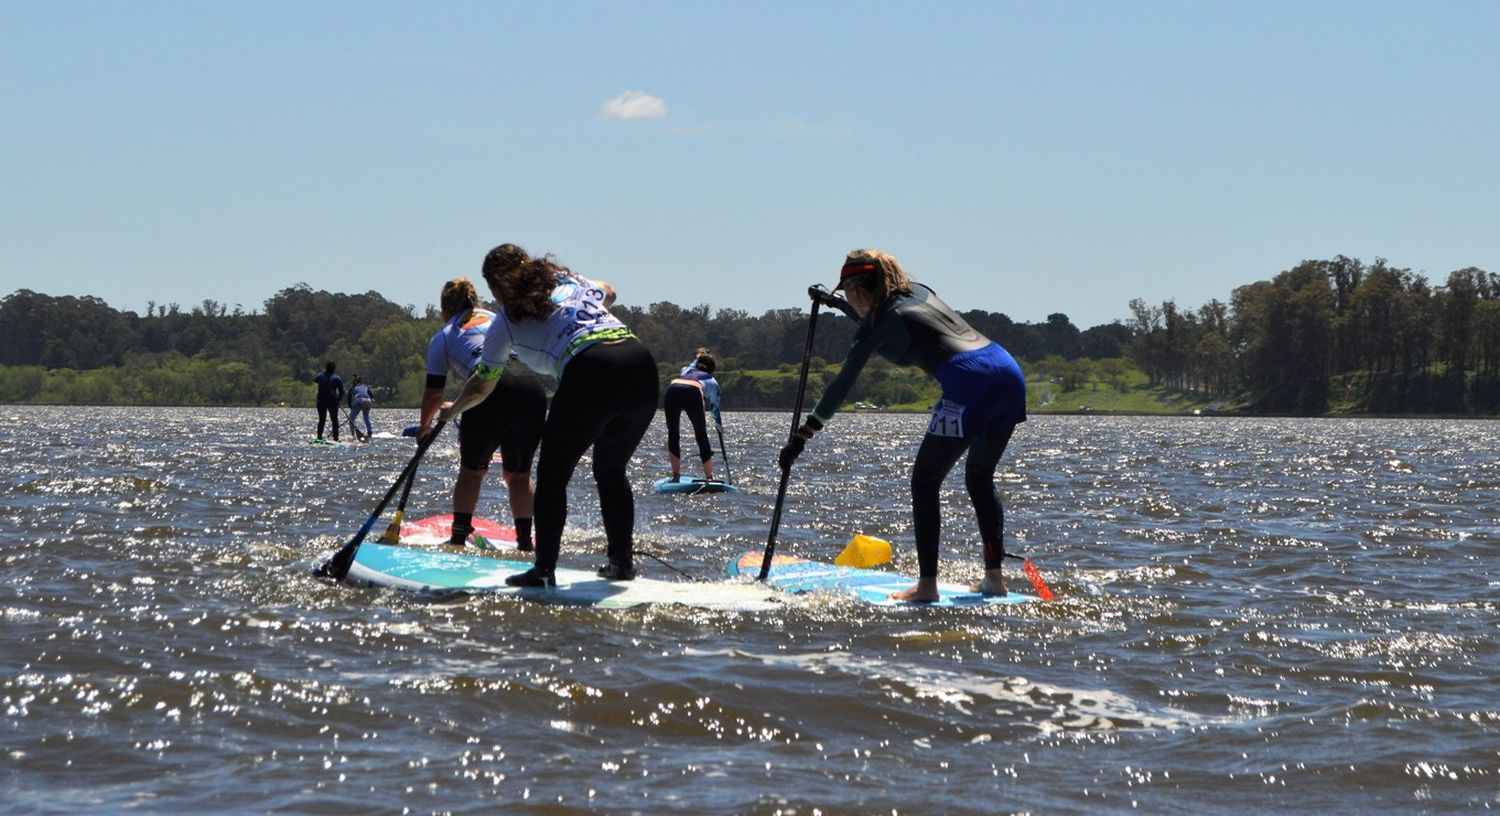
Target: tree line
1333,335
80,350
1326,335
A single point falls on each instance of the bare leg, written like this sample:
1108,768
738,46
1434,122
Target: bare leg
466,490
521,494
708,469
676,465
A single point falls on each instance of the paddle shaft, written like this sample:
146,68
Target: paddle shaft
786,472
349,415
392,534
338,566
724,452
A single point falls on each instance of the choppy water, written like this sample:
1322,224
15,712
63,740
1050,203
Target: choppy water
1255,613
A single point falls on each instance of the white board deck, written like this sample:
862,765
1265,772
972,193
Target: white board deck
433,571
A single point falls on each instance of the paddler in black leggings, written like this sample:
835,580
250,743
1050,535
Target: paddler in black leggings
983,399
558,322
695,392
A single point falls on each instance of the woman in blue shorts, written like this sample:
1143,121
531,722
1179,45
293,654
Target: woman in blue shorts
983,399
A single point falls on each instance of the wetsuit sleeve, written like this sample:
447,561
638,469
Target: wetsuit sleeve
838,390
711,395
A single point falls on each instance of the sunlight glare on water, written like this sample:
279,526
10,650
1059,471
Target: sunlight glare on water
1267,613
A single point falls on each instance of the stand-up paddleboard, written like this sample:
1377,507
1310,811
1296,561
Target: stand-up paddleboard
316,441
792,574
695,485
431,571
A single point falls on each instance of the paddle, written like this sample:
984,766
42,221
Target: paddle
1035,576
786,472
338,566
392,534
724,453
349,416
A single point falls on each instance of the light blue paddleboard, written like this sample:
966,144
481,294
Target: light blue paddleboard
434,571
695,485
792,574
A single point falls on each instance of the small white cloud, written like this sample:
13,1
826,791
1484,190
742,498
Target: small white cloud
634,105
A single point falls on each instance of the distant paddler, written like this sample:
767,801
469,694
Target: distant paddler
330,398
694,392
361,399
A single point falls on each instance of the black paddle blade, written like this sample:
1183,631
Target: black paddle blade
338,566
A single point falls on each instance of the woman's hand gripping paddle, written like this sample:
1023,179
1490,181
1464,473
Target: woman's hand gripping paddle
786,470
337,567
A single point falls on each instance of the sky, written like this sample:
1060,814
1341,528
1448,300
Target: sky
1027,157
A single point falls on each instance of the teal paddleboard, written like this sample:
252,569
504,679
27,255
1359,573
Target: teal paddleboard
792,574
695,485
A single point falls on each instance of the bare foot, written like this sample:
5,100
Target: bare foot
993,583
925,591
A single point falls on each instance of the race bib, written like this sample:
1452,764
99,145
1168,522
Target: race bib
947,419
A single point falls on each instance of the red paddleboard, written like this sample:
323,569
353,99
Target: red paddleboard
436,529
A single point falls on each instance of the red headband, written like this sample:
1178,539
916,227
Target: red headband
855,268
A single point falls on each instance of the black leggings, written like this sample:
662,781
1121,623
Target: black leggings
935,458
607,400
327,411
682,398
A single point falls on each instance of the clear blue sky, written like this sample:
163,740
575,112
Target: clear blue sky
1022,157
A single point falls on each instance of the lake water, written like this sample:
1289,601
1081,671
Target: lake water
1288,614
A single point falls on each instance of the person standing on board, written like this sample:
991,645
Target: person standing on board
559,322
360,401
694,390
983,399
330,398
509,420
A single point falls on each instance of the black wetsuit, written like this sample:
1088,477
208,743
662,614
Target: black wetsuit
984,398
330,394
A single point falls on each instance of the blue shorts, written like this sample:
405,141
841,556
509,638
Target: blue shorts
983,390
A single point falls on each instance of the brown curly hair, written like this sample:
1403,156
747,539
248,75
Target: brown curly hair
521,283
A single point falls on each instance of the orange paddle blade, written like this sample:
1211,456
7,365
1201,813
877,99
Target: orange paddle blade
1042,590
